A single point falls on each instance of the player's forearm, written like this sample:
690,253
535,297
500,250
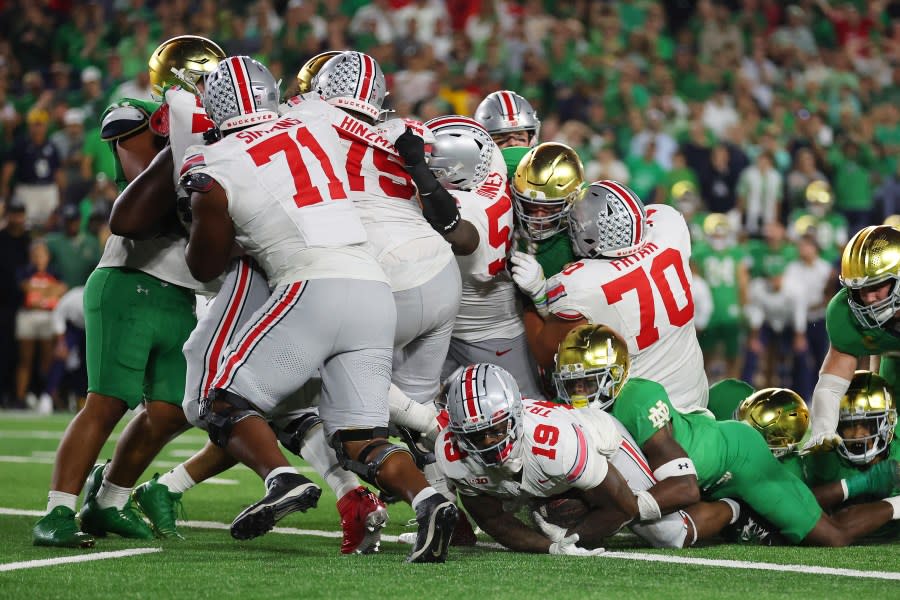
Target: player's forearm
829,495
140,210
598,525
463,239
514,534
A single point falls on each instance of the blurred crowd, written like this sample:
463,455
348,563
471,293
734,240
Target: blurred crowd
774,127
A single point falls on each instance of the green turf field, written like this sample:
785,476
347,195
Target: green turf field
302,561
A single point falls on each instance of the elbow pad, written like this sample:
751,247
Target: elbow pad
438,206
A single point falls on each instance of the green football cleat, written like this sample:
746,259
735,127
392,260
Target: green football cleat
160,506
93,483
126,522
58,528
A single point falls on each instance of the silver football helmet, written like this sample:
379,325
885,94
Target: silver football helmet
504,112
352,81
608,220
461,153
239,93
484,404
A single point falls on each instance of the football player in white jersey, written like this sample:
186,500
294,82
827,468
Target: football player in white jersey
410,246
277,186
501,451
298,427
489,325
633,275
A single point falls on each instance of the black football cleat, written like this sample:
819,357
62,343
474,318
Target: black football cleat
287,493
437,518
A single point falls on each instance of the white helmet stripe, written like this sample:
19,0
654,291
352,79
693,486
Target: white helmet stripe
436,124
633,208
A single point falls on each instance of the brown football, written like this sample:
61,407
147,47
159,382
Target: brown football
563,511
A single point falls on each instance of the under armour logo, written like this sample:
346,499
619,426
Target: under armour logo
659,414
682,466
142,290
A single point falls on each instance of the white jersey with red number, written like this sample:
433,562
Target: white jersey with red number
561,449
409,250
187,124
488,308
286,196
647,299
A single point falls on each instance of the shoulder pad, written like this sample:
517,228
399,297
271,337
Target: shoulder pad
123,120
196,181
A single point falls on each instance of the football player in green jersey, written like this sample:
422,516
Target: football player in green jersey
861,320
139,310
695,456
829,228
723,264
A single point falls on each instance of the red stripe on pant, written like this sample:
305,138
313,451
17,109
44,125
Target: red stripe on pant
239,355
226,326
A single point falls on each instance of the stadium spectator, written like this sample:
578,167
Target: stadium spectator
35,165
15,239
759,194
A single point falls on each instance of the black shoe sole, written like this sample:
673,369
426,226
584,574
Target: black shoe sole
440,531
261,517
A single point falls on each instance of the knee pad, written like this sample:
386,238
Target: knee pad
219,424
371,457
422,451
291,435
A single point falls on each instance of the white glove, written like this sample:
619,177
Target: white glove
821,442
529,276
563,544
394,128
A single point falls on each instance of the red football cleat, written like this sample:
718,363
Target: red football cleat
363,516
463,534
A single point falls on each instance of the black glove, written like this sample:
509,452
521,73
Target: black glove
411,148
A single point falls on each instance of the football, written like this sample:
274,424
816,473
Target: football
563,511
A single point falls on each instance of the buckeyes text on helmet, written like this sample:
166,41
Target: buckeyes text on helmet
352,81
462,151
240,93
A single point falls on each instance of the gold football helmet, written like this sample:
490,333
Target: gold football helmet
544,186
892,221
819,198
870,258
591,366
684,196
868,404
310,68
779,414
183,60
719,231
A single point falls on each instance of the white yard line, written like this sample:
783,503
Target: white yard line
17,434
663,558
64,560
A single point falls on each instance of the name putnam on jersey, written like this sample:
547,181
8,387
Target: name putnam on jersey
360,130
248,137
626,261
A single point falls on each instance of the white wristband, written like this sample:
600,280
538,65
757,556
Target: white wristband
674,468
894,501
648,508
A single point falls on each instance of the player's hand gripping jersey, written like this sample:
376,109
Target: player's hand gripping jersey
560,449
645,297
295,216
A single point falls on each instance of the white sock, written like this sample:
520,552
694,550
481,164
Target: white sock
895,504
55,499
735,509
425,493
111,494
315,450
177,480
278,471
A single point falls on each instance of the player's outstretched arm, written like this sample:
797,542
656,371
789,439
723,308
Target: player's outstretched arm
504,527
613,505
142,208
544,335
834,379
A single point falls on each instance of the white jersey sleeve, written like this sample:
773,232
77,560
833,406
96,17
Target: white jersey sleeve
488,307
407,247
187,124
287,199
647,299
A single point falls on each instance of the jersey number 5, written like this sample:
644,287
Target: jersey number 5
639,281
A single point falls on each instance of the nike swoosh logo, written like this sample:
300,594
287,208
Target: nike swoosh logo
502,352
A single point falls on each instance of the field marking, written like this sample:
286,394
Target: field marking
50,562
663,558
17,434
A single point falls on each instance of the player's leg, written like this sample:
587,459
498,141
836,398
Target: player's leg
510,353
355,413
166,317
116,351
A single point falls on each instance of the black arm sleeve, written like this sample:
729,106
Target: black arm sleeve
438,206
